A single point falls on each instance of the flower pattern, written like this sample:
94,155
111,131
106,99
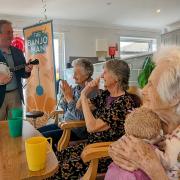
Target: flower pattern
71,165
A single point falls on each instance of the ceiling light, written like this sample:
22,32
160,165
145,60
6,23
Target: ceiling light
108,3
158,11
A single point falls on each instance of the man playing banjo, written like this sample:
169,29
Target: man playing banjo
10,83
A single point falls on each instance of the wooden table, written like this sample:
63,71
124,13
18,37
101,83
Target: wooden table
13,164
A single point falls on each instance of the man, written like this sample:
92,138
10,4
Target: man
10,86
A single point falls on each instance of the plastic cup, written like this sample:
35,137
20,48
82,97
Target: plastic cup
36,152
15,112
15,126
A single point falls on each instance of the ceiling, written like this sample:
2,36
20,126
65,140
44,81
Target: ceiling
128,13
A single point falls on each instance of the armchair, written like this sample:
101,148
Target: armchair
92,153
55,114
66,127
44,117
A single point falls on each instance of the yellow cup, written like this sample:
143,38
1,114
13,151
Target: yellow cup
36,152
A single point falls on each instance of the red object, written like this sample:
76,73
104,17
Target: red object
112,51
18,42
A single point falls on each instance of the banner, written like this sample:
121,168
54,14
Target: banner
40,91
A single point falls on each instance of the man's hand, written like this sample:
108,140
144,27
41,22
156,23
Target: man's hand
66,90
4,79
29,67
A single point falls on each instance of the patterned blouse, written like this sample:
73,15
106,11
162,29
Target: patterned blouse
114,115
170,158
71,165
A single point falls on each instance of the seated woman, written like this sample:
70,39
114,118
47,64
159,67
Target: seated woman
146,125
107,121
83,70
161,95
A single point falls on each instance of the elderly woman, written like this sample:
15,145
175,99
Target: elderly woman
106,123
162,95
83,70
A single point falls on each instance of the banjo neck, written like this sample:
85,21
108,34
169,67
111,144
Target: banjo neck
19,67
16,68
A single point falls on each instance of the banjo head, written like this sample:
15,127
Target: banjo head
4,69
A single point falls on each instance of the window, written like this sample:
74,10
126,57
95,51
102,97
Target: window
133,46
59,54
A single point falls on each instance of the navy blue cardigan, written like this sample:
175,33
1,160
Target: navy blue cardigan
18,59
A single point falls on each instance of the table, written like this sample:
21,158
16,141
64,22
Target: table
13,163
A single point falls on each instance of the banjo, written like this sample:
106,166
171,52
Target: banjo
5,70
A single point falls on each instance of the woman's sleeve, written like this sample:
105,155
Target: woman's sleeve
172,151
22,73
62,102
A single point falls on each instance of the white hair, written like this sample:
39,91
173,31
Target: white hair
84,63
169,83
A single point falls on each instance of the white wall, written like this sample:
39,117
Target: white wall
80,40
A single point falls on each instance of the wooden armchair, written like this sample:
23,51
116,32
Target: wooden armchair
92,153
135,90
42,121
66,127
55,115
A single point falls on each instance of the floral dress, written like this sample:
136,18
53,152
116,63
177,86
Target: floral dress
170,158
71,165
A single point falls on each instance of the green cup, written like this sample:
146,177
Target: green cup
15,126
15,112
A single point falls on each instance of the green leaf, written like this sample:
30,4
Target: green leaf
148,66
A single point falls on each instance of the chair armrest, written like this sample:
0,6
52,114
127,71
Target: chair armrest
95,151
96,145
92,153
72,124
66,127
54,115
56,112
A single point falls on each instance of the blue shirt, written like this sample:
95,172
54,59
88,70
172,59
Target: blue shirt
70,111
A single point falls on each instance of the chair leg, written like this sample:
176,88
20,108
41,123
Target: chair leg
91,172
64,140
34,122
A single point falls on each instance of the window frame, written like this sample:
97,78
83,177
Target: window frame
133,39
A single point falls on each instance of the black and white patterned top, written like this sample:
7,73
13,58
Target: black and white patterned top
114,115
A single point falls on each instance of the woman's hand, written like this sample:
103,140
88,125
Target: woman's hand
116,152
90,86
66,90
131,153
135,150
161,144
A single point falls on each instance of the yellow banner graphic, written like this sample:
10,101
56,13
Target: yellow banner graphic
40,90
